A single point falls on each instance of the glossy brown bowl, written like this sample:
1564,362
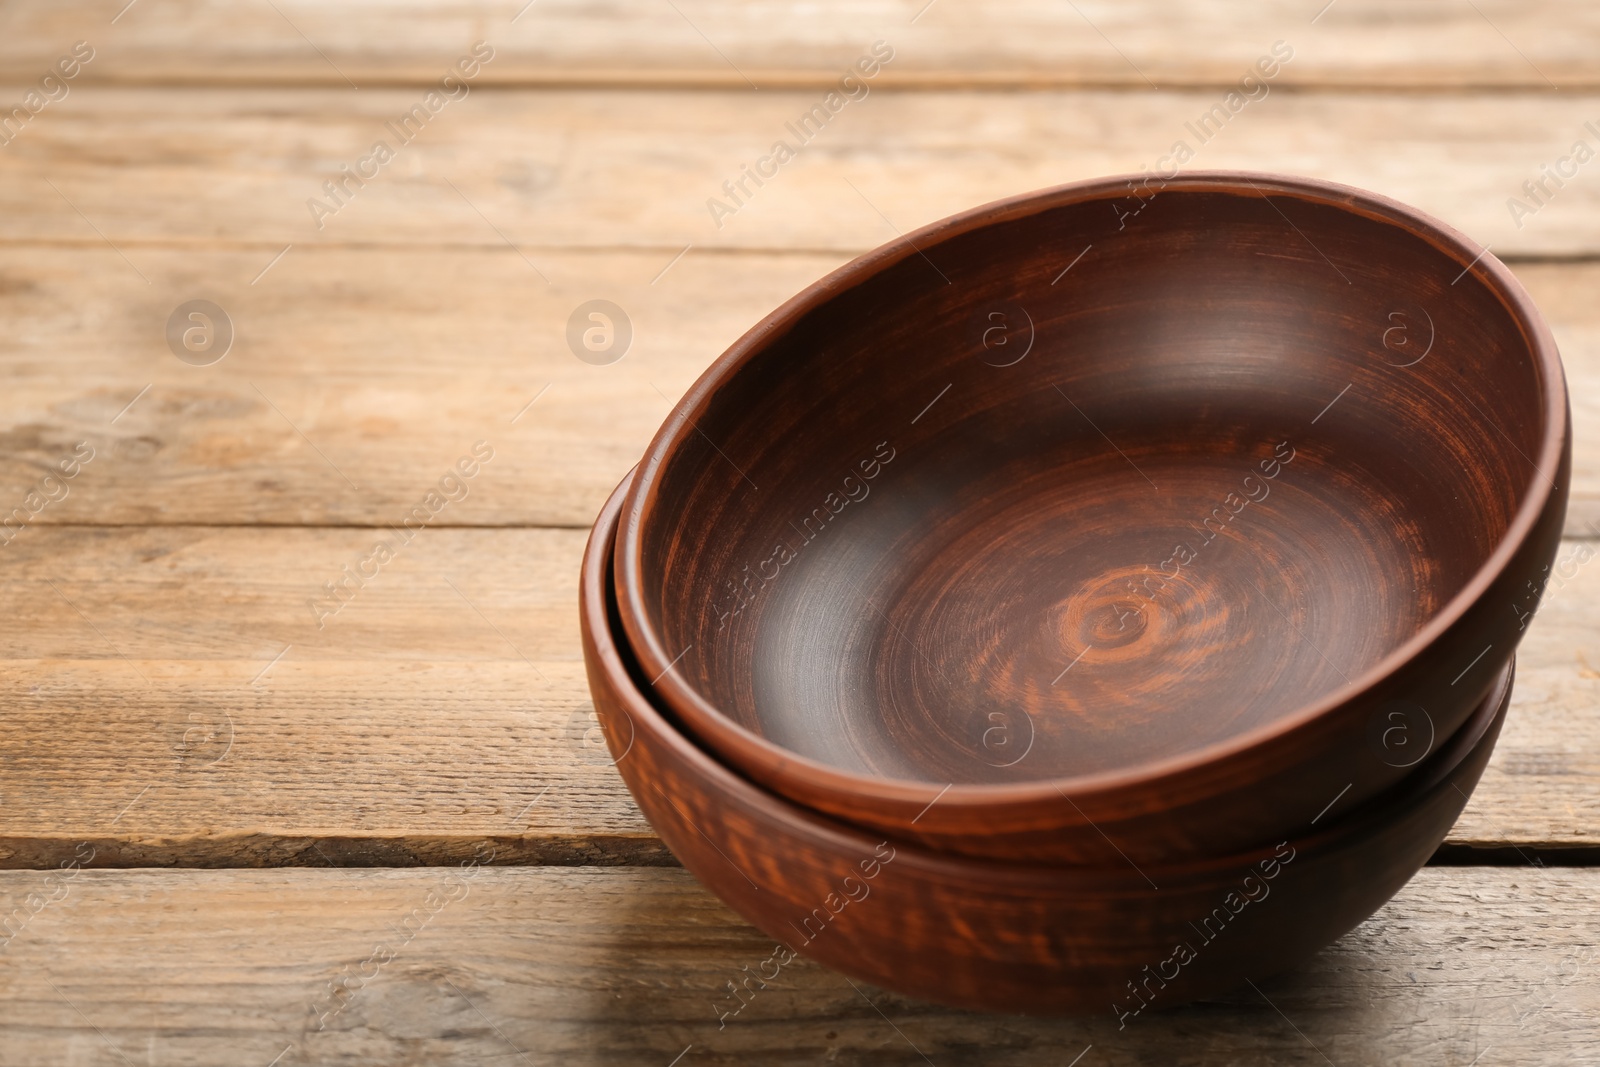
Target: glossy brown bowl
1097,522
1003,936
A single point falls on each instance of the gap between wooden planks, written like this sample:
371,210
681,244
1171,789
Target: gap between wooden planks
385,366
544,965
1014,43
171,701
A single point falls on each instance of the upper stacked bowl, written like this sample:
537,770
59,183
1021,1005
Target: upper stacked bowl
1108,521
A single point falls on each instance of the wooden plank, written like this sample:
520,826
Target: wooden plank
723,43
392,363
357,379
173,698
171,701
564,168
1534,788
587,966
1564,295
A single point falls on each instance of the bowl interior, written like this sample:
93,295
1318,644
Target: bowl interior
635,721
969,515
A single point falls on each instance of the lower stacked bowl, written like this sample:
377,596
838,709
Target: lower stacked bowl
1012,936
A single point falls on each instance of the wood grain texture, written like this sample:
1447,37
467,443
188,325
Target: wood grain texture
408,730
607,169
392,362
443,705
380,367
721,43
631,966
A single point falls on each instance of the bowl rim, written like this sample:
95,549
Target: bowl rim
598,599
706,718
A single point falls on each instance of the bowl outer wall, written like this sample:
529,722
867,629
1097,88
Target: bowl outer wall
993,936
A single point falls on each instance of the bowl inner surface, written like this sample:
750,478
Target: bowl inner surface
976,519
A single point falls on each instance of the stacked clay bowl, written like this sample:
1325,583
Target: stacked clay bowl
1011,936
1084,524
1087,552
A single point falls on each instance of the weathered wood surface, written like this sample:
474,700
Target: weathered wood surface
392,363
148,711
608,169
145,717
725,43
196,678
542,965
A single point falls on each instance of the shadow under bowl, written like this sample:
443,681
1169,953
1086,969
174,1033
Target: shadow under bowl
1002,936
1095,523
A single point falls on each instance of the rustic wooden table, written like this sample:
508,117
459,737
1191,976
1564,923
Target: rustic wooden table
266,800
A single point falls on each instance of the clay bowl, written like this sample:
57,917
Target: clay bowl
1004,936
1100,522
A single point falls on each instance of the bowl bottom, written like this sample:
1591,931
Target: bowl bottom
1099,614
